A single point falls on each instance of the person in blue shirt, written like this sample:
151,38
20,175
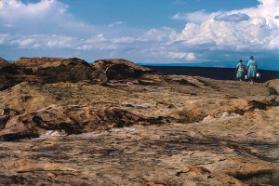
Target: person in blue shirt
241,69
252,69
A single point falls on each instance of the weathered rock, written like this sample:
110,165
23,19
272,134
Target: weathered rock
196,111
214,132
3,62
3,121
194,173
50,70
24,98
116,69
56,69
184,80
5,115
165,155
70,119
273,86
44,70
5,80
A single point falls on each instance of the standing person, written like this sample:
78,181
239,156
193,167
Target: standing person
252,69
240,70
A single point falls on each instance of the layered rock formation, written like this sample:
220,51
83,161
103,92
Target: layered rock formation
72,119
51,70
117,69
44,70
60,126
55,69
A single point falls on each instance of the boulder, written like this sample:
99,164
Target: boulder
116,69
43,70
51,70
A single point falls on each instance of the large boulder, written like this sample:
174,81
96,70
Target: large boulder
44,70
116,69
55,69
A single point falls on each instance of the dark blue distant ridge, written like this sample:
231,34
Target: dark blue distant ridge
210,72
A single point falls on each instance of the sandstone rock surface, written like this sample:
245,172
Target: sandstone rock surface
73,119
140,128
44,70
116,69
56,69
273,86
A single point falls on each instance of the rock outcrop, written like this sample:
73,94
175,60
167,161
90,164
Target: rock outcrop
4,80
273,86
3,62
116,69
44,70
51,70
70,120
25,98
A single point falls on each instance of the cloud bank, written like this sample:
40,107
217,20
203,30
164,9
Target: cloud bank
245,29
48,28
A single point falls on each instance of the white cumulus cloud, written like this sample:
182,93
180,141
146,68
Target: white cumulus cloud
45,16
47,27
188,56
196,17
244,29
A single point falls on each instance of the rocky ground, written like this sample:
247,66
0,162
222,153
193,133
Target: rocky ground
65,122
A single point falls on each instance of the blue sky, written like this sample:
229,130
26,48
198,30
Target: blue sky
190,32
147,14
